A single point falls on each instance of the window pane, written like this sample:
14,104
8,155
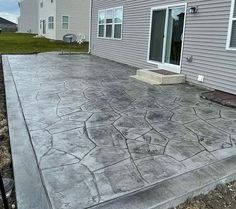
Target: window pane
65,19
118,15
65,25
233,36
109,16
101,31
101,16
235,9
117,32
109,31
157,35
175,35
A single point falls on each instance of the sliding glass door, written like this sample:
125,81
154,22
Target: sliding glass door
157,35
167,35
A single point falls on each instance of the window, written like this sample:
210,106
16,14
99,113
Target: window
51,1
51,22
231,42
41,4
118,19
65,22
110,23
101,23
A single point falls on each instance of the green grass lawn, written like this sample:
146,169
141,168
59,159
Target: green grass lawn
20,43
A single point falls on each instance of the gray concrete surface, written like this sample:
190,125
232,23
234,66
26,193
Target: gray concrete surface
99,135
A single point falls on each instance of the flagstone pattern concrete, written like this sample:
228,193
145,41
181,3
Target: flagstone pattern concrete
99,134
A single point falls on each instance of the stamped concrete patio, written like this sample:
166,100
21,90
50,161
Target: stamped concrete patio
99,136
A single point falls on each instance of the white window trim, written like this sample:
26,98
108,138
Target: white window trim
163,65
113,24
51,22
63,22
98,24
231,19
121,7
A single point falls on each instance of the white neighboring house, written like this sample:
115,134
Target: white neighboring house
60,17
29,15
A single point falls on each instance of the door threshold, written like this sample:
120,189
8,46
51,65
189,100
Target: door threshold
164,72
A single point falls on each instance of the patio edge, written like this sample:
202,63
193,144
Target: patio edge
174,191
30,191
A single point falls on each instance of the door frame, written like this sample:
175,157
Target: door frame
44,27
163,65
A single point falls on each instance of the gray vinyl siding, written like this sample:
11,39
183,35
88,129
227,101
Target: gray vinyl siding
205,39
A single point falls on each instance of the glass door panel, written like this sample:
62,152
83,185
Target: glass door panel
174,36
157,35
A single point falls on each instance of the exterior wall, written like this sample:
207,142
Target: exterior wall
8,27
78,12
205,39
28,20
48,9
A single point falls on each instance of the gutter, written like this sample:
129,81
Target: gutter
90,27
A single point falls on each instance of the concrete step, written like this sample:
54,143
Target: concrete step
159,77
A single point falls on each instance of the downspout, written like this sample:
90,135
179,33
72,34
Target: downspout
90,27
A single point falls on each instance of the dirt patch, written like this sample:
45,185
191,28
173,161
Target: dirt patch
223,197
5,154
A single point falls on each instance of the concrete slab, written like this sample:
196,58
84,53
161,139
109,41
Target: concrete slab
93,137
159,77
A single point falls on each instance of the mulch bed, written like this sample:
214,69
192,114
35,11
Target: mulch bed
220,97
5,153
223,197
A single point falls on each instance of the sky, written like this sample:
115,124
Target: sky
9,10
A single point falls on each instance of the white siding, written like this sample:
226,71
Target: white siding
48,9
78,12
205,39
28,20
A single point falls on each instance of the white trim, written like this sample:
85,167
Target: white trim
109,24
63,22
51,23
167,66
184,30
231,19
121,37
98,24
165,35
90,26
113,23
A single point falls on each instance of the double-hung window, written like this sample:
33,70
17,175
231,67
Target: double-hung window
65,22
51,22
101,23
231,42
118,19
110,23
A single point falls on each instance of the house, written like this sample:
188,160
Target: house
7,26
60,17
28,20
192,37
